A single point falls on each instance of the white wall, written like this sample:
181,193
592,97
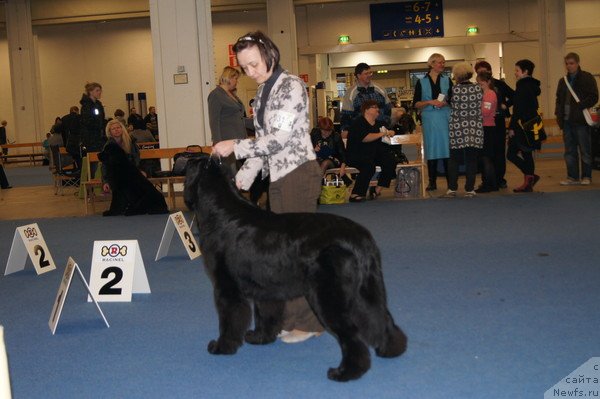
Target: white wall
6,104
116,54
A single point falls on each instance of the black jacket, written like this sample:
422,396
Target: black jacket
505,97
525,102
92,124
330,147
71,128
586,89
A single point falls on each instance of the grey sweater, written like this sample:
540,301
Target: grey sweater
226,116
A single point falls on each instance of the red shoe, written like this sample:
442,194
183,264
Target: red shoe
527,185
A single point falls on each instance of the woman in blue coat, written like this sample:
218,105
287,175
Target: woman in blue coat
435,115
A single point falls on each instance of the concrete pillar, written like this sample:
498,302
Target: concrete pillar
553,33
23,72
183,70
281,21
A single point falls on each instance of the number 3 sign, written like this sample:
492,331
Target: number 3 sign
117,271
29,241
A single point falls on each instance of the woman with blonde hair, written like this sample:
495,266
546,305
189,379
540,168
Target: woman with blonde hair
226,112
92,118
117,133
432,96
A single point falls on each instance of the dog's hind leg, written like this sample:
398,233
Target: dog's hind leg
334,285
268,319
394,340
234,318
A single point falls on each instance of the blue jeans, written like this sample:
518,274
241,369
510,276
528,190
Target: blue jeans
578,143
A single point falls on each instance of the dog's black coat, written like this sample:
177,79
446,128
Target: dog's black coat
255,255
132,193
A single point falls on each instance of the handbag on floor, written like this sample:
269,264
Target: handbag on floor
333,190
408,183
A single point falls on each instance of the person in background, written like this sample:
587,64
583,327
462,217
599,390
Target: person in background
71,129
465,129
92,118
120,116
329,148
46,150
3,137
365,151
521,144
505,100
577,134
151,122
432,97
117,133
4,184
364,89
57,127
226,113
136,120
489,106
282,150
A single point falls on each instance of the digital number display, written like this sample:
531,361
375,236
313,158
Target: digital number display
407,20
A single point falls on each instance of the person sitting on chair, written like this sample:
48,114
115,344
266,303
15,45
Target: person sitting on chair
329,148
366,151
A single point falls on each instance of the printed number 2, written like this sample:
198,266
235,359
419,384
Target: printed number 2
107,289
189,238
43,261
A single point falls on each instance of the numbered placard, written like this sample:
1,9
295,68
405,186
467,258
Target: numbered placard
63,290
117,271
176,221
28,241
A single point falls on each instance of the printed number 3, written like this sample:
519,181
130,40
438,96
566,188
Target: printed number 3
107,289
43,261
189,238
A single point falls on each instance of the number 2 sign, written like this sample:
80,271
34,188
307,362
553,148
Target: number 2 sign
117,271
29,241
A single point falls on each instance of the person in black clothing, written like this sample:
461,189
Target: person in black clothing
366,150
3,138
3,180
71,128
522,143
151,122
136,120
329,147
92,118
505,98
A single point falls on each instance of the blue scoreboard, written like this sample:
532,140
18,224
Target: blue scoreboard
407,20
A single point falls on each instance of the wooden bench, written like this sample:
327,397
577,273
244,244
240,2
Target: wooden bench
33,154
91,184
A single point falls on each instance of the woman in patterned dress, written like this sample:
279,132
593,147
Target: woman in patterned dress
466,129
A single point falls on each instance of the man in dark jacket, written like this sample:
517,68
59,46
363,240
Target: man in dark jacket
71,134
577,134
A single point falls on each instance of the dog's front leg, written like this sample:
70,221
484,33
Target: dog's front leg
268,320
234,318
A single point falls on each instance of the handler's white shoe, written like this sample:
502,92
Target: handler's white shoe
283,333
296,336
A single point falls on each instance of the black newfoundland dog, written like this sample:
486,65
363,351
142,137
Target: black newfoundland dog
132,193
256,255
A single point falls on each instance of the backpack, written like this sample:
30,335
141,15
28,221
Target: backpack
181,158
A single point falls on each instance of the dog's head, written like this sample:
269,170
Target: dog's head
204,176
112,154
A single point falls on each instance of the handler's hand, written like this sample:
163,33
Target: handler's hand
106,188
223,148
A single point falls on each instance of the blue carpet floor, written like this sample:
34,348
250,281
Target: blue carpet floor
498,296
26,176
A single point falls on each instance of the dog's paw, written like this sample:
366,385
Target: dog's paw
257,338
343,374
219,348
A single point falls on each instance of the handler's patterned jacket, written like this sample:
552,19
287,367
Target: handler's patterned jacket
283,143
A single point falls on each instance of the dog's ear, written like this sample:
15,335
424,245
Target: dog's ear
194,168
